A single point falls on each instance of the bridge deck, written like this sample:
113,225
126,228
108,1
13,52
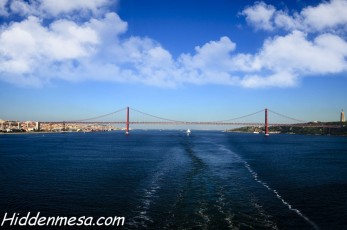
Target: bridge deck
191,123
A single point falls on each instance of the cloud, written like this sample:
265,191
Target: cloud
212,55
278,79
313,46
260,15
28,48
23,8
283,59
294,53
210,64
35,51
33,54
325,16
26,44
3,8
53,8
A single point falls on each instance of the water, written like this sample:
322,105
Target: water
166,180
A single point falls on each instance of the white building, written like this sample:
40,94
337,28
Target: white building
37,126
342,118
2,124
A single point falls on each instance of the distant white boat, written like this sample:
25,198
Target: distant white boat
188,132
255,132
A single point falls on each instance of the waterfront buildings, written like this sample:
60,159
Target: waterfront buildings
35,126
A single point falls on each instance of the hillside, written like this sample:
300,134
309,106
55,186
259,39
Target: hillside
295,129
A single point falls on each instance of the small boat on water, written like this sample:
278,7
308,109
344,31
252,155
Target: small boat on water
188,132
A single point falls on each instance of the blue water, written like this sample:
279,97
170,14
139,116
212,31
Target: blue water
166,180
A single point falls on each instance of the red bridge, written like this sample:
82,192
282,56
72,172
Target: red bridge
164,121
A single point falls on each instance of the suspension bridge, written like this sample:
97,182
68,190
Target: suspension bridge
237,121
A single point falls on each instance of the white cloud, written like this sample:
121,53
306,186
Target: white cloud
210,64
3,8
62,40
35,53
283,59
294,53
282,20
313,46
325,16
27,47
23,8
277,79
110,26
260,14
54,8
212,55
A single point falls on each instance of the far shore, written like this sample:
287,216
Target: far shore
47,132
36,132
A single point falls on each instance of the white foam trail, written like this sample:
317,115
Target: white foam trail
142,215
255,176
149,196
222,201
204,216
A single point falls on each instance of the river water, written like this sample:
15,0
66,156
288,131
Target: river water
168,180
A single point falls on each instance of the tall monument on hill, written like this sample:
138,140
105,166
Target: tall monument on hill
342,118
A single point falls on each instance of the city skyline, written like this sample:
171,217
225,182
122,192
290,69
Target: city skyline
216,60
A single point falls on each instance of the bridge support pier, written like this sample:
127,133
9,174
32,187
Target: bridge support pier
127,123
266,124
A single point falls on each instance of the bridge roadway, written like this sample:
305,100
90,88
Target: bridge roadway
189,123
165,121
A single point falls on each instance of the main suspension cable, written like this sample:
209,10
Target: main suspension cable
237,118
161,118
290,118
97,117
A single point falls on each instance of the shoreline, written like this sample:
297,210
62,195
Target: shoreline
47,132
279,133
11,133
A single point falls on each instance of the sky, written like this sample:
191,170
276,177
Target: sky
183,60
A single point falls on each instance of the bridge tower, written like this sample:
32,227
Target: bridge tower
127,123
266,124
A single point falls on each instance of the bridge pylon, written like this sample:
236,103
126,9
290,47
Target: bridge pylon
127,123
266,123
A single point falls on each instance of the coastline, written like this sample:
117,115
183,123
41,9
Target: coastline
11,133
47,132
323,130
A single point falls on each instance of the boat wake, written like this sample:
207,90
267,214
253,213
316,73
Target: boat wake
144,215
256,178
290,207
216,200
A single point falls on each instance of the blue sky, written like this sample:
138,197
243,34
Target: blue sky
185,60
